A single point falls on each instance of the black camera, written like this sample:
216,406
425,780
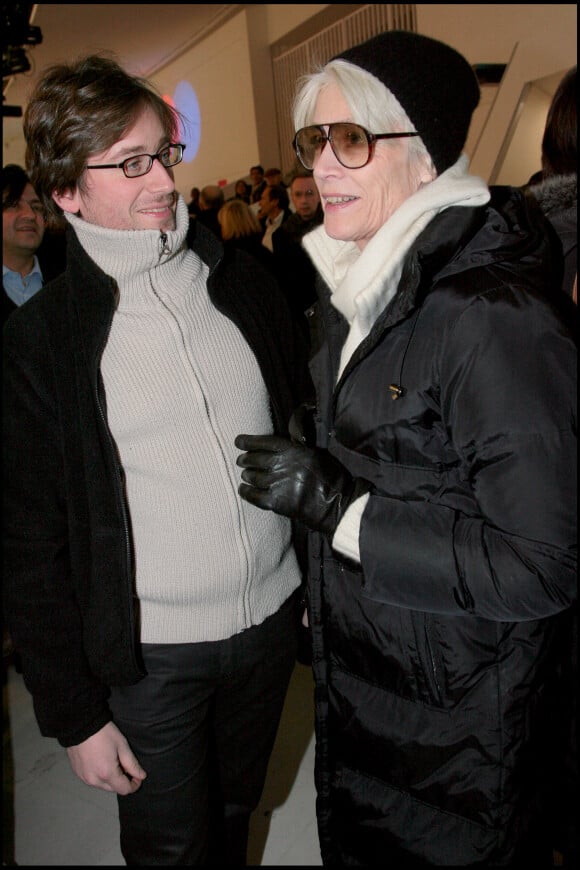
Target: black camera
17,34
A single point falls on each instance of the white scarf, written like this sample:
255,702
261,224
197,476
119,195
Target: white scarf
362,283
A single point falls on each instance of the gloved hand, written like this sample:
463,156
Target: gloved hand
299,482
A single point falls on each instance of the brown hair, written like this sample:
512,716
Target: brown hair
78,109
237,219
559,145
14,180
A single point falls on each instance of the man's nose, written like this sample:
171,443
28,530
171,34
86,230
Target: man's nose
26,209
161,176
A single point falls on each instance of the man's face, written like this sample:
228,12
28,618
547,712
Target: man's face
305,197
23,224
112,200
266,205
256,177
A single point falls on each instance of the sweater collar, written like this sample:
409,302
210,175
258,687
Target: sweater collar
140,261
131,257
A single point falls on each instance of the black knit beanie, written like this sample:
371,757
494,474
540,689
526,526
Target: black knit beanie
434,84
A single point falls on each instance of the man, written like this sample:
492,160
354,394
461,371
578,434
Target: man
307,213
211,200
294,268
154,613
23,231
193,206
273,176
258,182
274,210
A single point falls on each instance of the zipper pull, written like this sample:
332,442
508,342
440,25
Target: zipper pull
165,249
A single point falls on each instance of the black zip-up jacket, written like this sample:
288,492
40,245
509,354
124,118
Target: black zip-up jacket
68,568
439,660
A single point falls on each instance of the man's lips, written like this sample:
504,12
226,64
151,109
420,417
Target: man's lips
160,204
157,207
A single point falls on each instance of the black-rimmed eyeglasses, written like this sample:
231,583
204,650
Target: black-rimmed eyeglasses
351,144
141,164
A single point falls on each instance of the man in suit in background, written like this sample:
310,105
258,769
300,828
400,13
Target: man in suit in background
27,263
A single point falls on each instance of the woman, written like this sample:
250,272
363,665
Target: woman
242,191
240,229
440,492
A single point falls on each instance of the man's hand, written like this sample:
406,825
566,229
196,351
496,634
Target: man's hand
105,761
306,484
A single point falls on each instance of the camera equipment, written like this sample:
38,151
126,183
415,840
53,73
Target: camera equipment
17,35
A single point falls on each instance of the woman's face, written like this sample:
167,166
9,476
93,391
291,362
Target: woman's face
357,202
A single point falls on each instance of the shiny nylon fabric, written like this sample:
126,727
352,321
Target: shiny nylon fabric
433,659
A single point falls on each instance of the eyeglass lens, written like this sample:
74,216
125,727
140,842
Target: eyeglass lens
349,143
142,163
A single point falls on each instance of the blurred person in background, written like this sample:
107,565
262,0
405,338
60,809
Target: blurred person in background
274,210
211,199
242,191
241,230
31,255
257,182
557,191
294,268
557,194
273,176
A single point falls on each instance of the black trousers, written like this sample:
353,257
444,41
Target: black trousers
203,723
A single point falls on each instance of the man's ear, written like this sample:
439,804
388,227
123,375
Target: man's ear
69,200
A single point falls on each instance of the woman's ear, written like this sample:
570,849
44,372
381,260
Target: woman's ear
426,170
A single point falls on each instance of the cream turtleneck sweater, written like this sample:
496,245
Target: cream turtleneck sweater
180,384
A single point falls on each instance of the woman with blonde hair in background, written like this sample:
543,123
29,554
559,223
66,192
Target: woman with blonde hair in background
241,230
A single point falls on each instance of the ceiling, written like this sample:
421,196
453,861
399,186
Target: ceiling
144,38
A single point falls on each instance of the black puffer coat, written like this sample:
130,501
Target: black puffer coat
558,199
436,660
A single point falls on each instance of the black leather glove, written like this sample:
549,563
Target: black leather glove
299,482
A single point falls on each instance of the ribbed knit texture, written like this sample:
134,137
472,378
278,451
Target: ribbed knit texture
181,383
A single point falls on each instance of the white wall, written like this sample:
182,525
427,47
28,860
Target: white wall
521,154
228,142
230,72
232,76
533,60
487,32
538,42
281,19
